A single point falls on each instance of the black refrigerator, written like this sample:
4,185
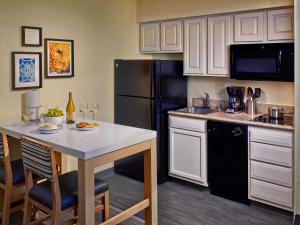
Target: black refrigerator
145,90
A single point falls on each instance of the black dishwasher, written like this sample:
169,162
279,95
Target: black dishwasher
228,160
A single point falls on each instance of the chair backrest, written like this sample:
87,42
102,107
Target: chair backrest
1,146
38,158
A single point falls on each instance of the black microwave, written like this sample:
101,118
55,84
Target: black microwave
266,62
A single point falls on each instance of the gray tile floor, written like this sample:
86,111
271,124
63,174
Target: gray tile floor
182,204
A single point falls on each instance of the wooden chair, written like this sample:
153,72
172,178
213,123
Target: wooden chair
12,181
57,194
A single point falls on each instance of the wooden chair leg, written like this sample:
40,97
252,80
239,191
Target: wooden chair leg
27,212
56,218
6,205
76,219
105,202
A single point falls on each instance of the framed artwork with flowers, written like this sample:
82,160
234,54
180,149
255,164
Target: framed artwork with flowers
26,70
59,58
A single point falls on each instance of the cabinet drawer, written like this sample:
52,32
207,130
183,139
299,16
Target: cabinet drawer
271,192
275,174
273,137
187,123
270,153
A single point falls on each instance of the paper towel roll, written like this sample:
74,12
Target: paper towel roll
32,99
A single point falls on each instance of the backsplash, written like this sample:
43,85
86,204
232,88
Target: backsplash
262,108
274,93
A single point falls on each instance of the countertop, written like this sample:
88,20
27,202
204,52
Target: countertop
108,137
241,118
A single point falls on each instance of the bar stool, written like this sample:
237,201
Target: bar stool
57,194
12,181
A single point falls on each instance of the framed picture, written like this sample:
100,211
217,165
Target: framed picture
59,58
31,36
26,70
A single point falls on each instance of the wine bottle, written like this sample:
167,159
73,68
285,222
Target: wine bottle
70,109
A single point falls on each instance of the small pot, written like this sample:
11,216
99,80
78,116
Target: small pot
276,112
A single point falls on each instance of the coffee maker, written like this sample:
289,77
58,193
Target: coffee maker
236,99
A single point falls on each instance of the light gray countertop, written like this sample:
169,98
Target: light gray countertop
242,118
108,137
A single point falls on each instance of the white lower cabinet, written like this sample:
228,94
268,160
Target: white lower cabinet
188,152
271,167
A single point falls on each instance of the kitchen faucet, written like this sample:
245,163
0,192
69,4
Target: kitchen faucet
207,100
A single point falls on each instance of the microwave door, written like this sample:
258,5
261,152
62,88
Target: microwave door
269,62
255,65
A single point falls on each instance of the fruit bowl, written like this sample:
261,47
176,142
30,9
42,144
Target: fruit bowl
53,116
53,120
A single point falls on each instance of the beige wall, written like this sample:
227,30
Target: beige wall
278,93
297,113
164,9
102,30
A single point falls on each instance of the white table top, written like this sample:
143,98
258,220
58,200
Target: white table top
107,138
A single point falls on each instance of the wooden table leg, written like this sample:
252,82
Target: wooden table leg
86,196
150,184
1,199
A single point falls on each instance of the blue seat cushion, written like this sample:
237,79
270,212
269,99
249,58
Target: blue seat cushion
17,171
68,183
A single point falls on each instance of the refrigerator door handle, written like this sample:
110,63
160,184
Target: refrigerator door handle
151,113
152,85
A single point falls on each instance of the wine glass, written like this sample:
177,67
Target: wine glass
83,109
94,108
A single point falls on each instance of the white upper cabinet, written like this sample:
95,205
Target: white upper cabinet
171,36
149,37
281,24
218,45
249,27
195,46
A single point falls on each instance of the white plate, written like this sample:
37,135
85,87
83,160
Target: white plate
50,130
86,129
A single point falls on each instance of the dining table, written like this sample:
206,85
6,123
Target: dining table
95,148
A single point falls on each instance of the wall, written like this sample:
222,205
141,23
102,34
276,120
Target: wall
278,93
297,103
102,30
148,10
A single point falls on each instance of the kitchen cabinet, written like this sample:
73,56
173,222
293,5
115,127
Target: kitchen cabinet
188,149
149,37
271,167
249,27
219,39
171,36
195,46
280,24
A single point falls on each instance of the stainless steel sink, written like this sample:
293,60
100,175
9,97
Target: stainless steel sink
197,110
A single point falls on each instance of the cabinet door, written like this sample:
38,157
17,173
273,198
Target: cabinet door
171,36
188,158
249,27
149,37
281,24
195,46
218,45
